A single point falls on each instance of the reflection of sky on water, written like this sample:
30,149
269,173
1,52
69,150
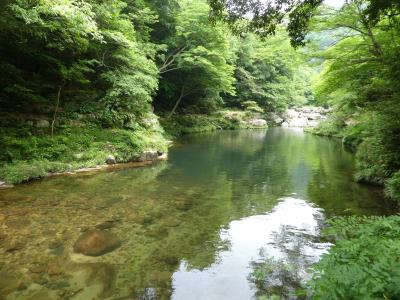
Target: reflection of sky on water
294,222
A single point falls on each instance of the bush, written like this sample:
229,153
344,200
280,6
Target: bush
393,187
330,127
252,106
364,263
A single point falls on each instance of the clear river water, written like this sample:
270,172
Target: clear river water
197,226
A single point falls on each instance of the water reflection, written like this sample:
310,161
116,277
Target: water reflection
289,233
194,227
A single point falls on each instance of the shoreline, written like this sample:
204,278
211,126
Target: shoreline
104,167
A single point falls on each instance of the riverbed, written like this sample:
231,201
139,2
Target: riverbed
193,227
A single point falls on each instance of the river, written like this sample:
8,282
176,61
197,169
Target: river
193,227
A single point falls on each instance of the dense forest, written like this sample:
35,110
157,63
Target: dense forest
89,82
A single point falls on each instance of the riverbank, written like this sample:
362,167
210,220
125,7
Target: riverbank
376,163
80,144
29,151
222,120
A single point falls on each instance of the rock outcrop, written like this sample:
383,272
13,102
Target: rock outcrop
307,116
258,123
148,156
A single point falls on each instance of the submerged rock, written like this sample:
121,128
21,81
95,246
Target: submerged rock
96,242
8,283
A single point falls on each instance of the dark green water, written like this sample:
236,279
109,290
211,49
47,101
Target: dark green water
193,227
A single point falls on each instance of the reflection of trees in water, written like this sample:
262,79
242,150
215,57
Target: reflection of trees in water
340,194
174,211
295,250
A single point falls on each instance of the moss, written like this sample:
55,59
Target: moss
26,156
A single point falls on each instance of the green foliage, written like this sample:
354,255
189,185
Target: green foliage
196,67
196,123
275,277
266,16
252,106
270,73
393,187
360,81
329,127
364,263
33,156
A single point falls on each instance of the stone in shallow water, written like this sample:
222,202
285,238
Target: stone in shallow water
96,242
8,283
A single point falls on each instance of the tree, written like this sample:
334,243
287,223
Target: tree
266,15
271,73
197,62
360,80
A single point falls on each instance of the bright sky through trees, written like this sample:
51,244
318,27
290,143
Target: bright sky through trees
334,3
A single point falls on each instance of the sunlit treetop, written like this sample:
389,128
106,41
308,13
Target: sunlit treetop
263,16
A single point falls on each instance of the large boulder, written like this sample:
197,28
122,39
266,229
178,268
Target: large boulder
42,124
274,118
258,123
292,114
313,116
111,160
96,242
298,122
148,156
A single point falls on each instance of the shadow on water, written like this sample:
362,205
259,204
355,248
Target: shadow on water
195,227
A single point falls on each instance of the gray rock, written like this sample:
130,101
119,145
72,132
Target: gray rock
5,185
291,113
298,122
148,156
313,116
258,122
275,118
42,124
110,160
285,124
96,242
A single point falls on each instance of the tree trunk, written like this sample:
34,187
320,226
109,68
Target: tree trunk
55,110
177,103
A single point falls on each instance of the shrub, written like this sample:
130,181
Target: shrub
393,187
364,263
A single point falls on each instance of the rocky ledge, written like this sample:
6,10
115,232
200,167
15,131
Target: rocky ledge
307,116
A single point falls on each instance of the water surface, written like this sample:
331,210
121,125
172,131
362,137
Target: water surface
194,227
